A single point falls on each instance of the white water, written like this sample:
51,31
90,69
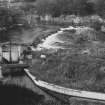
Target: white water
50,41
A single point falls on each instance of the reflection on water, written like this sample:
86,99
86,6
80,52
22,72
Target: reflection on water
15,95
4,36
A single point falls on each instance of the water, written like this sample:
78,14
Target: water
16,95
20,90
55,42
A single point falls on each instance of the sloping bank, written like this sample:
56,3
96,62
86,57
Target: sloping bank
77,67
67,91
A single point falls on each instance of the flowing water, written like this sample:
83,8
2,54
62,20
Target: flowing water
55,41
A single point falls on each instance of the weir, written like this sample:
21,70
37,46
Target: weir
94,96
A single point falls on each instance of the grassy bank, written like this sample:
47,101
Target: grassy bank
80,67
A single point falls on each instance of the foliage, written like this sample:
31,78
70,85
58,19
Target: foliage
60,7
9,17
77,67
100,7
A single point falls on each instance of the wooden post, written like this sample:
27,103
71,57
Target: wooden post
10,53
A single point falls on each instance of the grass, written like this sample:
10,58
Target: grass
76,69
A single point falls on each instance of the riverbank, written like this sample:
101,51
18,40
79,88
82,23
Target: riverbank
80,65
23,92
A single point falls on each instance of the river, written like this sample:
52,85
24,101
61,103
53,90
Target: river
55,41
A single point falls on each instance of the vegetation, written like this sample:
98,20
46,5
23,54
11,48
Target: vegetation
64,7
10,18
80,66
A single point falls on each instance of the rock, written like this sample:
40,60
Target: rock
43,56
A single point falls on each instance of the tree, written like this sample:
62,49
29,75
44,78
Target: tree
42,6
64,7
53,7
100,7
89,8
9,18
